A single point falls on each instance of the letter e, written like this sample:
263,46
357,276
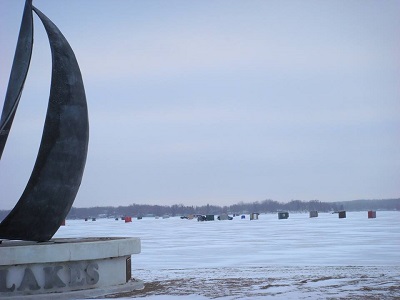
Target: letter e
75,275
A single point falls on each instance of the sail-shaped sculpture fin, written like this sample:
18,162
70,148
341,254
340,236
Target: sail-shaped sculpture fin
60,163
18,74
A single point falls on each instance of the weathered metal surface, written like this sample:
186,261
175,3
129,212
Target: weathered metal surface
18,74
60,163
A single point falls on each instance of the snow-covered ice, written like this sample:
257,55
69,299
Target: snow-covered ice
296,258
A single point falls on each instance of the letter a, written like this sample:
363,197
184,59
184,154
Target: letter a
28,281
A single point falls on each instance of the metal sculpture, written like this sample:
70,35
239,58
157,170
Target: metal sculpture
58,170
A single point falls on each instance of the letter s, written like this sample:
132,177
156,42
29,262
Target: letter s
92,276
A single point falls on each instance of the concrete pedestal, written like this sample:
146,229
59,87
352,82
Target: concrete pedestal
66,265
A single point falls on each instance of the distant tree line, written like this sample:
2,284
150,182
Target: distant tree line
266,206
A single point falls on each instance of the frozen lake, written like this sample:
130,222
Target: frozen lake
299,257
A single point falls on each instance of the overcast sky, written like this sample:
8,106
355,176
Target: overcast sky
217,102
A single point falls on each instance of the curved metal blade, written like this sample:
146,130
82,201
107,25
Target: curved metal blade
60,163
19,70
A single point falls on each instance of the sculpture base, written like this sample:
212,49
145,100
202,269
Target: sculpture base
98,266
